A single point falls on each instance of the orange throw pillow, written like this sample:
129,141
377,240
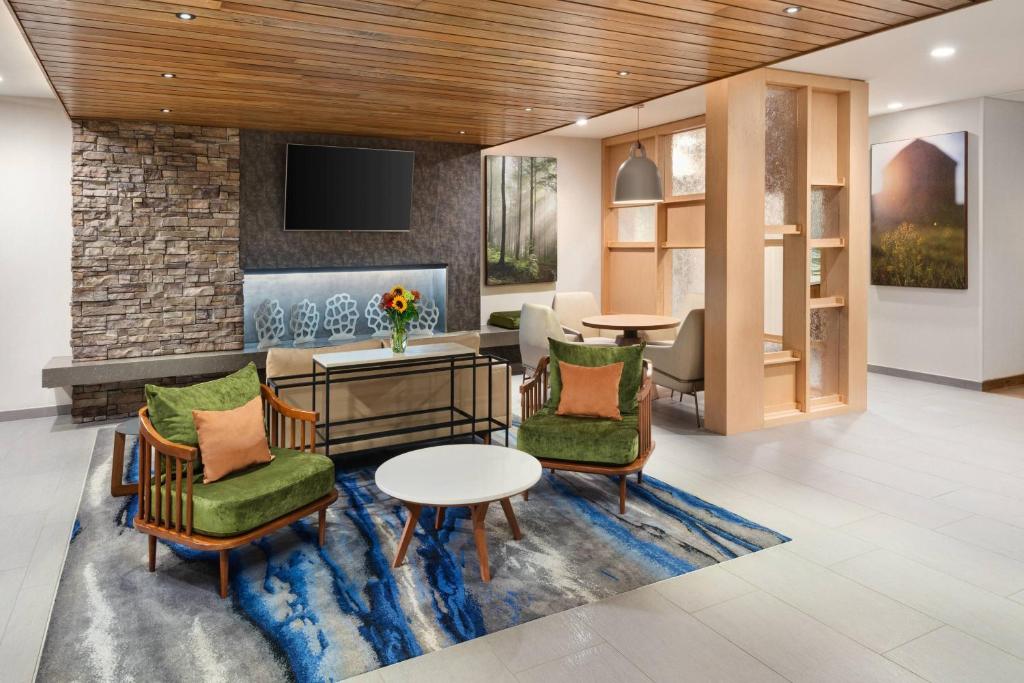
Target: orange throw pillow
590,392
231,440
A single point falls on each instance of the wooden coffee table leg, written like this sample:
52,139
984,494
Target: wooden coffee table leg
478,512
439,519
410,528
506,505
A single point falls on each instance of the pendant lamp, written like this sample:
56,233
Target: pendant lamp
638,180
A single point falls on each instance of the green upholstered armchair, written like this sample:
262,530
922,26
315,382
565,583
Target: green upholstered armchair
584,444
175,504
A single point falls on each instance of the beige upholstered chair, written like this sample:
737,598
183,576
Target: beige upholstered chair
537,324
571,308
667,337
680,367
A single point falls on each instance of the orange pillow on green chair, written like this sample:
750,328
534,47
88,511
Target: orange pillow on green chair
590,392
231,440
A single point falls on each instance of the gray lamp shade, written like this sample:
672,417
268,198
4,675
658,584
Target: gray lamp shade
638,180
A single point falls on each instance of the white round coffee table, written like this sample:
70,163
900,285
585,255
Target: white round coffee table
458,475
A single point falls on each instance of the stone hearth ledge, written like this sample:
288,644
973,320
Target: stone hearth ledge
61,371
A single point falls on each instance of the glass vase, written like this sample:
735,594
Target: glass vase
399,339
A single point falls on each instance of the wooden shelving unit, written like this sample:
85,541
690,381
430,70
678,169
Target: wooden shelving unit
823,367
782,229
637,276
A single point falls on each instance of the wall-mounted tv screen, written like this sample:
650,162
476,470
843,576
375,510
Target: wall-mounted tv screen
347,188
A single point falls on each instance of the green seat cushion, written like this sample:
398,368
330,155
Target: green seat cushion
593,356
245,500
580,439
507,319
170,408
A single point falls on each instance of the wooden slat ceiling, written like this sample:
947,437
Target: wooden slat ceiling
419,68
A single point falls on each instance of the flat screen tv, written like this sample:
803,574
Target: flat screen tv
347,188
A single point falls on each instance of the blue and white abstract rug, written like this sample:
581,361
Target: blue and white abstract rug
299,612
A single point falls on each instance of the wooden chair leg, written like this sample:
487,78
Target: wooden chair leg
526,494
223,573
413,511
152,553
439,517
487,437
322,527
622,494
640,477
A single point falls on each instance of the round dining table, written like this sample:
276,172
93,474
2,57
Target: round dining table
630,324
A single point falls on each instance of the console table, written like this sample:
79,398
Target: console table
341,367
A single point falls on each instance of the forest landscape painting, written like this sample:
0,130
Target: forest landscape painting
919,212
521,220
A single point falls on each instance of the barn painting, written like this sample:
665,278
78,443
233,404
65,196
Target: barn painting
521,221
919,212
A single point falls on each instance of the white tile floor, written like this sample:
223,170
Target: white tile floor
907,563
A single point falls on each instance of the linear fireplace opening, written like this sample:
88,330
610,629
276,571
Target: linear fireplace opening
325,306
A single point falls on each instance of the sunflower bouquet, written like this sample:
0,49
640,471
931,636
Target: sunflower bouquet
400,305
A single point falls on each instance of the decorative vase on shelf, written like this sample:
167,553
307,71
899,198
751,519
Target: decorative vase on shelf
399,304
399,338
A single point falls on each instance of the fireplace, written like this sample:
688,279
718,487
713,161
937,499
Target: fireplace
321,307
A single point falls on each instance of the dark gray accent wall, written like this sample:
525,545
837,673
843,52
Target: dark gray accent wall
444,228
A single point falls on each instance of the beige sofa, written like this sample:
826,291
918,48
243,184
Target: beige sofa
373,397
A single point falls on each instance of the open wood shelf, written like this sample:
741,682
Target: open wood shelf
680,245
684,199
841,182
828,243
828,302
781,357
630,245
782,229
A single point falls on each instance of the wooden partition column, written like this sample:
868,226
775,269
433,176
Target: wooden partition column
787,171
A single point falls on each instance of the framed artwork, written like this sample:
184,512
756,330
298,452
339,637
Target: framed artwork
919,212
521,220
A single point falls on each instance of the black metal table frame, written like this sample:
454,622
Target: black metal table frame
379,370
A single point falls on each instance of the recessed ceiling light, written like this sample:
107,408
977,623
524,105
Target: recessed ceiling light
165,110
1,79
623,73
943,52
528,109
792,9
581,121
895,105
168,75
462,132
185,16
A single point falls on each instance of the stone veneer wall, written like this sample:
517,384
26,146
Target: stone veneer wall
155,253
97,402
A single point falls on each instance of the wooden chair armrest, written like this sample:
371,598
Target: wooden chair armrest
278,405
534,391
288,426
162,445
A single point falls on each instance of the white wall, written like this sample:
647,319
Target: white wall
935,331
579,223
35,256
1003,240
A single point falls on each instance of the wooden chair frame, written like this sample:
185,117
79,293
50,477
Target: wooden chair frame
534,393
287,427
